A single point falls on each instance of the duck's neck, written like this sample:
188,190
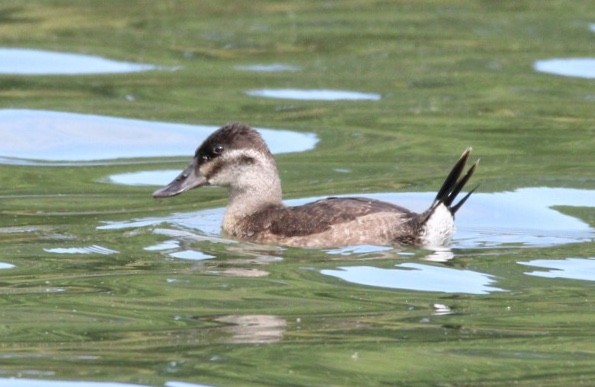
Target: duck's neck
255,194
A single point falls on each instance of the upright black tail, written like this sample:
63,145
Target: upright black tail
453,184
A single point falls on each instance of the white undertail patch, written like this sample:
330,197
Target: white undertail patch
439,228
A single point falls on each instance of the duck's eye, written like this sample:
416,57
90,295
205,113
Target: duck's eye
218,149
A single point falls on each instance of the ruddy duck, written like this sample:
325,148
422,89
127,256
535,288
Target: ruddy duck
236,157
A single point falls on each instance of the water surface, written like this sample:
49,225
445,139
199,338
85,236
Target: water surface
156,178
524,217
102,285
572,268
415,276
314,94
570,67
71,137
21,61
268,68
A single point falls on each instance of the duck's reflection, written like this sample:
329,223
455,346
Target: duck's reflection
253,329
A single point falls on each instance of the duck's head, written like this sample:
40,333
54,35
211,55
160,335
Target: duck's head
234,156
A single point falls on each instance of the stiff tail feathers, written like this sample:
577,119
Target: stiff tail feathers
452,186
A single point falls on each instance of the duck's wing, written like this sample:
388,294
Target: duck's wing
320,216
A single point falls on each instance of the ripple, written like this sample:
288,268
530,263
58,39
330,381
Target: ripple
524,217
166,245
185,384
441,310
359,249
206,221
191,255
22,382
420,277
314,95
268,68
94,249
242,272
62,137
19,61
570,268
570,67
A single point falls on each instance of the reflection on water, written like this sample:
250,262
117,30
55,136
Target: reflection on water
207,222
38,62
372,251
570,67
253,329
23,382
415,276
158,178
191,254
175,249
59,136
441,310
13,382
524,217
243,272
185,384
94,249
314,95
360,250
571,268
268,68
5,265
167,245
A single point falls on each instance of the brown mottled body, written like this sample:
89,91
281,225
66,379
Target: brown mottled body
327,222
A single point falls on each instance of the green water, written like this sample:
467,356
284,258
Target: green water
119,307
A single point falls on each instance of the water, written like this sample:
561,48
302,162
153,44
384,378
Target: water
23,382
570,67
101,285
314,95
571,268
157,178
420,277
268,68
20,61
51,136
524,217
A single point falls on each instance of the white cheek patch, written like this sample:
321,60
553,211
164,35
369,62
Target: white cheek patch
209,169
239,156
231,167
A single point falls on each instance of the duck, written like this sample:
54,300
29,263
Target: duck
237,158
